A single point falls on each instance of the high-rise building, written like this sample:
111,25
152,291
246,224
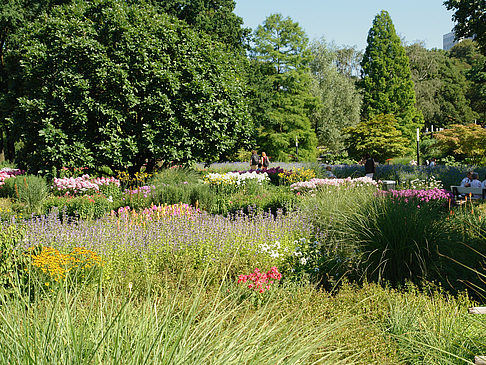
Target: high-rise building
448,41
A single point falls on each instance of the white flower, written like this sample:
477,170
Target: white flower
264,247
303,261
274,254
276,245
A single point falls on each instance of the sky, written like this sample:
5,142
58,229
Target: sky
347,22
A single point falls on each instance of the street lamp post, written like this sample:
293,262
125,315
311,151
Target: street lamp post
418,147
297,148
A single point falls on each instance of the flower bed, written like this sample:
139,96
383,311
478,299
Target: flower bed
421,195
235,178
307,186
7,172
82,184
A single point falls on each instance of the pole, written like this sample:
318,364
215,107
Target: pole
418,147
297,148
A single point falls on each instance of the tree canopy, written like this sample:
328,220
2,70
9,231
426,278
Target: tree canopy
282,56
108,83
386,79
470,19
378,137
334,87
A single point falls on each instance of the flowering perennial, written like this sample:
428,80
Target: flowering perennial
142,190
422,195
235,178
7,172
156,212
305,186
58,265
72,185
260,281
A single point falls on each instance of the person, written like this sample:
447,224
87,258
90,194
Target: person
329,173
475,183
265,161
432,162
259,168
484,182
466,182
254,160
369,166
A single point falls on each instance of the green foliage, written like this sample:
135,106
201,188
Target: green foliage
12,258
470,19
440,87
84,207
340,102
129,86
385,78
465,142
28,190
215,17
283,101
378,136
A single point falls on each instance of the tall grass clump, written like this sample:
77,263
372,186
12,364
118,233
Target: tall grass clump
165,327
28,190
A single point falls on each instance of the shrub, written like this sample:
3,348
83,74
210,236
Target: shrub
12,259
85,207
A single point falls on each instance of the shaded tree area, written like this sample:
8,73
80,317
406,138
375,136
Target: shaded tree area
104,82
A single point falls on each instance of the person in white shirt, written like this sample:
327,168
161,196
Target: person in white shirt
466,182
475,183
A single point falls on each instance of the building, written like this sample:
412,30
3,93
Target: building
448,41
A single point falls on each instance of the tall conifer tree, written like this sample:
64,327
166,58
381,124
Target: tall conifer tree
386,77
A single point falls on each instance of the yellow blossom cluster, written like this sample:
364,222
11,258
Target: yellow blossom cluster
58,265
298,175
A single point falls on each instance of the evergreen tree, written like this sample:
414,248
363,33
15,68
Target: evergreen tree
386,79
282,57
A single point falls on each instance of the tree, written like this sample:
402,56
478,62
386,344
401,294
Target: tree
378,137
107,83
348,61
215,17
470,19
440,87
464,142
340,102
385,78
282,55
13,15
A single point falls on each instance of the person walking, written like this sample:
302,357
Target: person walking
255,159
369,166
265,161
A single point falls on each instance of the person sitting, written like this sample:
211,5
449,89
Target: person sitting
369,166
329,173
475,183
466,182
432,162
259,168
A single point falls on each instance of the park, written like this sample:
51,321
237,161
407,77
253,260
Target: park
177,188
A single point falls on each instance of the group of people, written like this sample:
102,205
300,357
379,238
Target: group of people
472,181
259,163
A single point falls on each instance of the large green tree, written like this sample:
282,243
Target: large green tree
215,17
282,56
386,79
107,83
14,14
470,18
441,87
340,101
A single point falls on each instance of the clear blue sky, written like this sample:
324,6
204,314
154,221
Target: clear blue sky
347,22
